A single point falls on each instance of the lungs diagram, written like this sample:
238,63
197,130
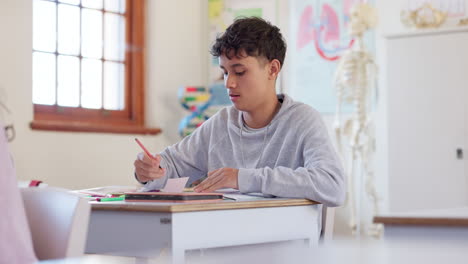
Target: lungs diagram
324,30
318,37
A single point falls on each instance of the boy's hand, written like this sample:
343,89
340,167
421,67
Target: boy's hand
147,169
217,179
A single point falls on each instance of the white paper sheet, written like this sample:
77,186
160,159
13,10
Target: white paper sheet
175,185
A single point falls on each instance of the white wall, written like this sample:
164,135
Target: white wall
176,53
393,194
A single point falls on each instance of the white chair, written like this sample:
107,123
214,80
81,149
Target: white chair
15,238
58,221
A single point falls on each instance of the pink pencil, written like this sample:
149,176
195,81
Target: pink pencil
144,149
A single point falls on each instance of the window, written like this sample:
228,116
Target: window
88,67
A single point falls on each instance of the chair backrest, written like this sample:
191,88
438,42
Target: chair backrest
328,222
15,238
58,221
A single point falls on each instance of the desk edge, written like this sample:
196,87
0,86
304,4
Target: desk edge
421,221
193,207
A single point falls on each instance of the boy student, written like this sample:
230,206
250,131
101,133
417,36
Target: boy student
265,142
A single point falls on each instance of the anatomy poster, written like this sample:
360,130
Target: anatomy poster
318,37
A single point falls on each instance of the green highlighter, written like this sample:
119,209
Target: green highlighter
111,199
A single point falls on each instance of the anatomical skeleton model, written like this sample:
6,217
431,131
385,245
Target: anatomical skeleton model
355,83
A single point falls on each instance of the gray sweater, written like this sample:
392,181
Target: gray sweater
291,157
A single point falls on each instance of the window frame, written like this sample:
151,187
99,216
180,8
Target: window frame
130,120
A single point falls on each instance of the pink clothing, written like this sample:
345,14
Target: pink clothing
15,237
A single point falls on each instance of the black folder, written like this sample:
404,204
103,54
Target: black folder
172,197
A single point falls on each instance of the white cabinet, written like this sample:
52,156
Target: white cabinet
426,79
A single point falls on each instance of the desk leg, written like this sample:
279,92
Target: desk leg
178,256
310,242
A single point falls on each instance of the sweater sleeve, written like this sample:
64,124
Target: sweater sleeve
320,178
188,158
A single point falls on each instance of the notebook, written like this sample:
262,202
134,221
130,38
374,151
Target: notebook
172,197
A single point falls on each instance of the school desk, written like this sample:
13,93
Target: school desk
148,229
442,224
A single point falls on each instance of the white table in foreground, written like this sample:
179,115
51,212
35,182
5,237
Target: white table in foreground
443,224
141,229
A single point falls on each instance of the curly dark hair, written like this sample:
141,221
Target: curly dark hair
255,36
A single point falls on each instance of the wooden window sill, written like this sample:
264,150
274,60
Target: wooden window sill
80,126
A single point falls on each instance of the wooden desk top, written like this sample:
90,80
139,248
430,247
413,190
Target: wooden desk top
441,217
191,207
